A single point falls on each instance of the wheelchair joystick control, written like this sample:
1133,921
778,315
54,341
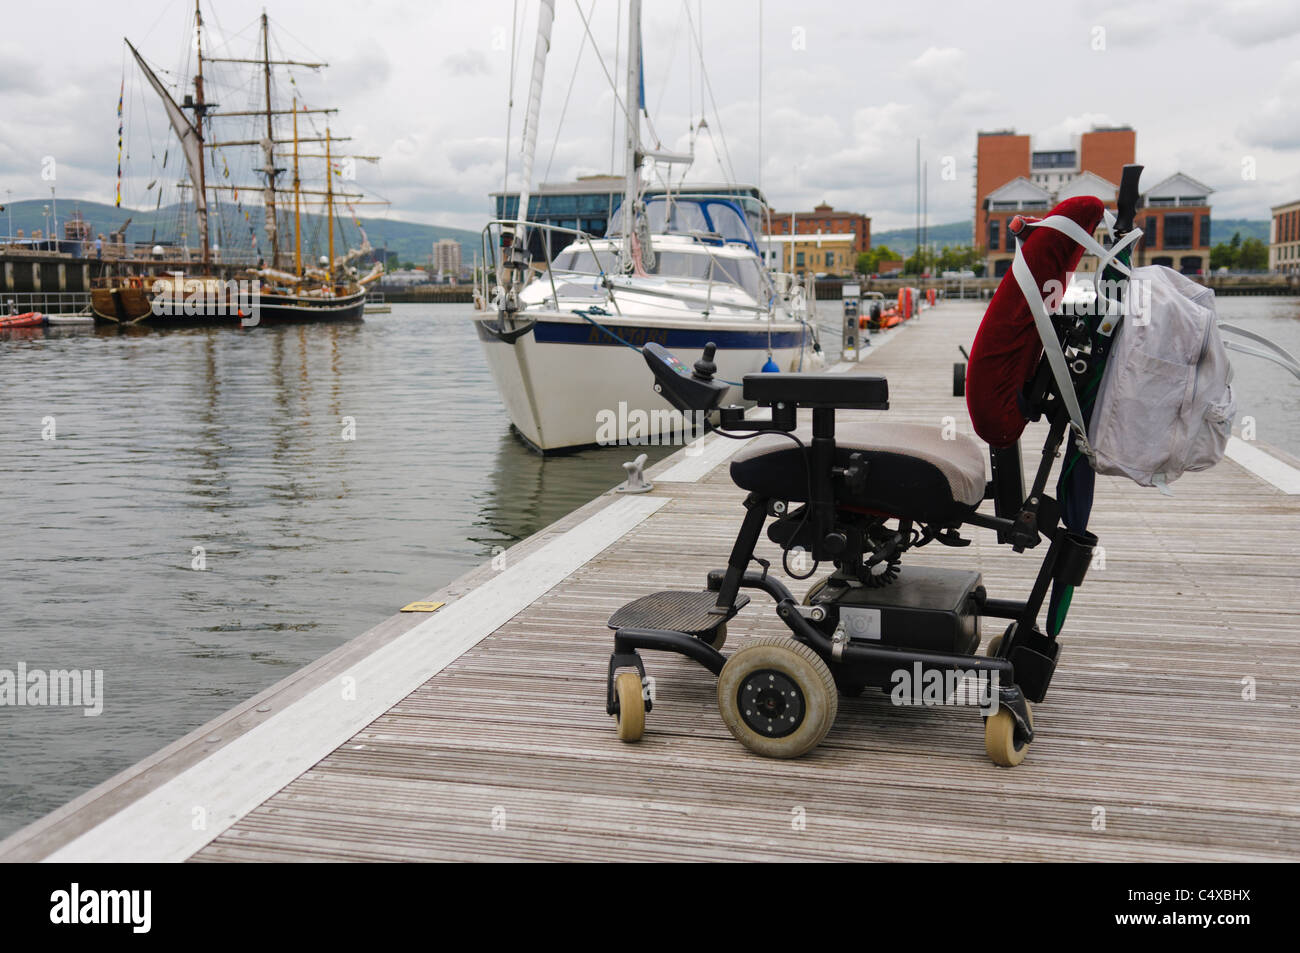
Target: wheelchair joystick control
705,368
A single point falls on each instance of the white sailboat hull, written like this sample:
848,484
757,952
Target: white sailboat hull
566,384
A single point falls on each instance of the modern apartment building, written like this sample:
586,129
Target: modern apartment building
446,258
1284,239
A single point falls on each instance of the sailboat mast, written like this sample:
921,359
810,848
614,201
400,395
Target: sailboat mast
631,100
199,110
329,197
270,146
297,215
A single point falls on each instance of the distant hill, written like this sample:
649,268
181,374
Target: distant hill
1222,229
409,241
903,240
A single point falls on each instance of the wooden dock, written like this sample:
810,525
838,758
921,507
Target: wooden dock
478,732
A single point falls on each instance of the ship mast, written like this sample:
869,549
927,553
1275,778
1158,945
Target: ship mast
297,220
199,109
271,228
329,199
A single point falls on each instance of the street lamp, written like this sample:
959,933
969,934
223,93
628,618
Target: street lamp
46,212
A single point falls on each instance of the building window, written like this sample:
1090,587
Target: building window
1150,234
830,259
993,235
1179,231
1205,231
1054,160
798,260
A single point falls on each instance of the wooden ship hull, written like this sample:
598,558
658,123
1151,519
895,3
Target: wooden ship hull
134,303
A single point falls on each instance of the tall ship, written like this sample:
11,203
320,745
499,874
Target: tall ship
565,313
261,139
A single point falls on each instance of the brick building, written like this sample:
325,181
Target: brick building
827,221
1284,239
1012,177
1174,216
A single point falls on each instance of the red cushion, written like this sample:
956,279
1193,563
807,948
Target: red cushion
1007,348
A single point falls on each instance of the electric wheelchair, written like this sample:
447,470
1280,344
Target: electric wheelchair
861,496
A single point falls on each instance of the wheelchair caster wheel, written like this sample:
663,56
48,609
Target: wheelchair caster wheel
630,717
719,638
777,697
1000,738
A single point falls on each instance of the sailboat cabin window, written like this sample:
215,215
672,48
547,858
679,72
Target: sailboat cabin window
581,260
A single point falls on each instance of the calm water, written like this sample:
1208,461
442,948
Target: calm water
233,441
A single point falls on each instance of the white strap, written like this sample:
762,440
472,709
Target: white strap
1047,333
1105,256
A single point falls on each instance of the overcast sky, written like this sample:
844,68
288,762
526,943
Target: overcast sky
1211,86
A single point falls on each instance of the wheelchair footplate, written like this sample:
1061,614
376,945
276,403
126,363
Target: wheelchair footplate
692,613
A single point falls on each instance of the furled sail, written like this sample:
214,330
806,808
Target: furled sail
268,194
191,142
545,17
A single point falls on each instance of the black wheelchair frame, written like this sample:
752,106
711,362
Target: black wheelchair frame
1025,657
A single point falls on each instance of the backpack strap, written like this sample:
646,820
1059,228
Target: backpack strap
1043,322
1051,346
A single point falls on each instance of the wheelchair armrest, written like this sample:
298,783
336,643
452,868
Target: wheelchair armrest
846,391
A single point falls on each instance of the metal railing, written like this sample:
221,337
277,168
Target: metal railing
47,302
117,251
491,242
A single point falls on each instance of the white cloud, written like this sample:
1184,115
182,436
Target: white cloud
424,85
1275,123
1249,23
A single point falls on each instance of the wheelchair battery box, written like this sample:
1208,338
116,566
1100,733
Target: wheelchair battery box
924,608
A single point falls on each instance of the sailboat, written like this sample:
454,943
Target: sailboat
280,287
562,332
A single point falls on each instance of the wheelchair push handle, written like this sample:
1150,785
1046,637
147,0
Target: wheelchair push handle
1127,199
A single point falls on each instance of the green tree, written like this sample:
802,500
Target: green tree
868,262
1223,255
1253,255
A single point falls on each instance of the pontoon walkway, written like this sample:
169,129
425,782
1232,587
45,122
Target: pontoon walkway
479,731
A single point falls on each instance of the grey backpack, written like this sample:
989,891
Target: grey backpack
1165,404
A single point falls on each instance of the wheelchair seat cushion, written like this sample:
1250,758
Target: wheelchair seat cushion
912,471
